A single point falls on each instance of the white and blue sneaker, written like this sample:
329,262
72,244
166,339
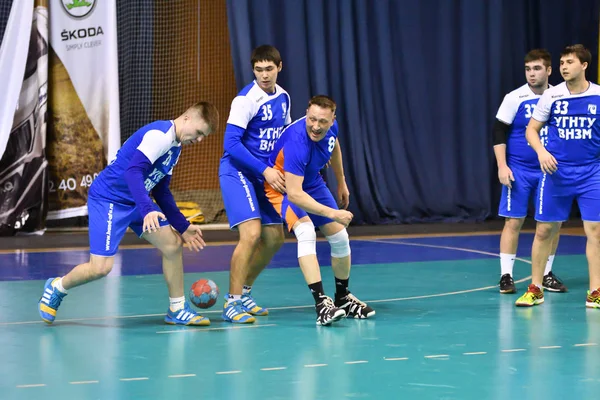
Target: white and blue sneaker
250,306
234,312
50,301
186,316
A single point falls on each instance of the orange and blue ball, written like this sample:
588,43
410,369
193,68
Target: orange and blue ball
204,293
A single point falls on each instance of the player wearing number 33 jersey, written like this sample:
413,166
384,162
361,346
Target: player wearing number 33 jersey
573,122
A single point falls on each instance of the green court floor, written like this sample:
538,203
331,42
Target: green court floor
442,331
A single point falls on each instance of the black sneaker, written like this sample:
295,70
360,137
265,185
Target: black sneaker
553,284
507,284
327,312
354,307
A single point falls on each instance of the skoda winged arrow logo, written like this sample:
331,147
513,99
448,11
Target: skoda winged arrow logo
79,8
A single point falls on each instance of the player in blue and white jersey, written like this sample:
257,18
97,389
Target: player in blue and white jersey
518,168
305,147
258,115
120,198
571,166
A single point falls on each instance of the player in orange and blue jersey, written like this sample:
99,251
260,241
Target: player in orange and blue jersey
305,147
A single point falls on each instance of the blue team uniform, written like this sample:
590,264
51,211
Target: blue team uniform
297,154
516,110
256,121
111,205
574,141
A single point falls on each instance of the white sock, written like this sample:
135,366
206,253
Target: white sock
233,297
177,303
549,264
246,289
507,261
58,285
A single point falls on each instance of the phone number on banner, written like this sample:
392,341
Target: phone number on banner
72,183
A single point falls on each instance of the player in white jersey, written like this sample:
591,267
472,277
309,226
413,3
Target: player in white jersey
571,165
518,168
259,113
120,198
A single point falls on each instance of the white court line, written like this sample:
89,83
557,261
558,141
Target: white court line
134,379
430,385
427,296
438,356
200,329
434,356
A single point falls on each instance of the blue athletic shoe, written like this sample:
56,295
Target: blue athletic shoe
186,316
250,306
234,312
50,301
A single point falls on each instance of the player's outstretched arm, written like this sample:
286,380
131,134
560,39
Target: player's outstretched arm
548,163
165,200
303,200
191,234
343,194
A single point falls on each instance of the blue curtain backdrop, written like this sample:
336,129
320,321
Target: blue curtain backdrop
417,83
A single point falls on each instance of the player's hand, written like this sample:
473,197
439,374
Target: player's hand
343,195
275,178
151,223
505,176
193,238
547,162
343,217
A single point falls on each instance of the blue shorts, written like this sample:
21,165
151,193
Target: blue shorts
515,201
557,192
245,199
108,222
291,213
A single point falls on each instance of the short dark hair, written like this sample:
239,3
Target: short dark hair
580,52
323,102
209,113
539,54
265,52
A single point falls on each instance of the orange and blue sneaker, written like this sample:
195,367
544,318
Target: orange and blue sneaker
186,316
532,297
234,312
593,299
250,306
50,301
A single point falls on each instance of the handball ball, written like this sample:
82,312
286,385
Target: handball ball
204,293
